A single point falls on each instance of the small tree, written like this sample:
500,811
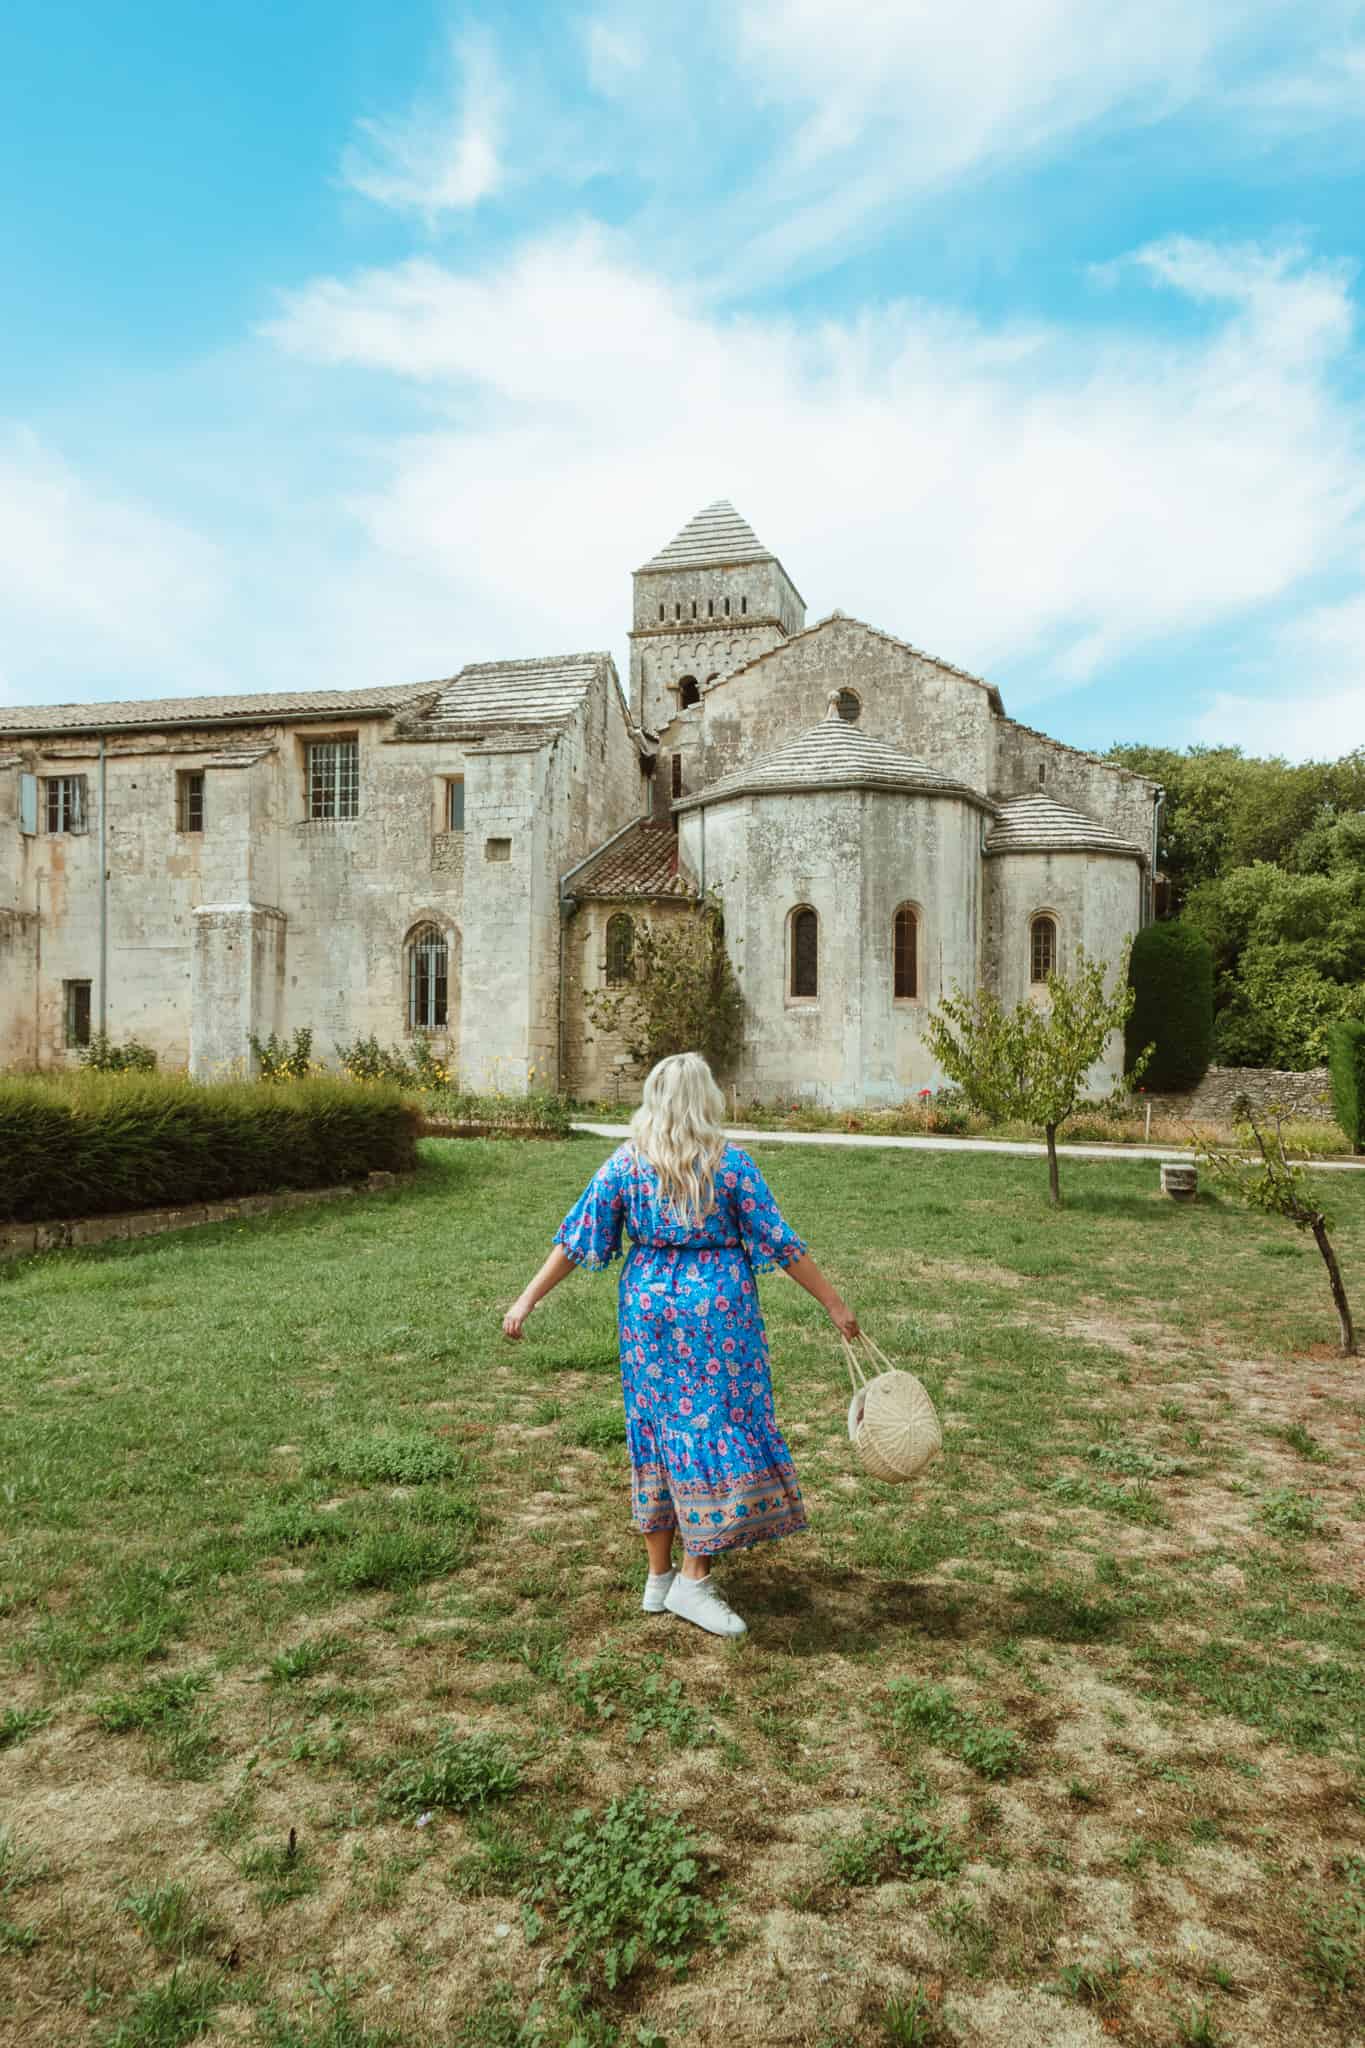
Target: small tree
682,995
1031,1062
1171,970
1261,1173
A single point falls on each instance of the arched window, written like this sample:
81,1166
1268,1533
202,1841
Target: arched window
848,704
689,692
1042,948
905,953
803,978
620,950
428,978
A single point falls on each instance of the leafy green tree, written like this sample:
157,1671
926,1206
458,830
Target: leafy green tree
1171,970
1260,1171
682,995
1289,956
1031,1063
1224,809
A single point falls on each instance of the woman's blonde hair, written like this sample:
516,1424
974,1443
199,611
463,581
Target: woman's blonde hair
677,1129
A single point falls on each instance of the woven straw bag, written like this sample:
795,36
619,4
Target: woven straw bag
891,1420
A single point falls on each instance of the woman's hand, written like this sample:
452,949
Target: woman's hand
843,1318
514,1322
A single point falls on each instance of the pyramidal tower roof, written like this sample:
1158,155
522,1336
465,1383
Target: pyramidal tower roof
715,538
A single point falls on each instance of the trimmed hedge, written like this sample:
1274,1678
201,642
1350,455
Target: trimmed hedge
1346,1065
89,1144
1171,970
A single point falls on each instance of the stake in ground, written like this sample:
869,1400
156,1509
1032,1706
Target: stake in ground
330,1717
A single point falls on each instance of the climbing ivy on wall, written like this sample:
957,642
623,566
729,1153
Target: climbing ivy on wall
682,995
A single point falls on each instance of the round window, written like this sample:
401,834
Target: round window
848,704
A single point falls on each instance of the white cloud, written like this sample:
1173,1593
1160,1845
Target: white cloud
97,589
1002,495
1315,706
443,156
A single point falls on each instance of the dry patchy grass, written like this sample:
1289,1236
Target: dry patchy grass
325,1669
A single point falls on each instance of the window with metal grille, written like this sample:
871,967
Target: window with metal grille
1042,948
189,801
455,803
65,804
428,978
620,950
805,953
849,705
334,779
77,1006
905,952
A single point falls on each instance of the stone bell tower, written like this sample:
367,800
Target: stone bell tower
713,599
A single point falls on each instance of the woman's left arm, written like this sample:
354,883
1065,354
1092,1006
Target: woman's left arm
556,1268
807,1274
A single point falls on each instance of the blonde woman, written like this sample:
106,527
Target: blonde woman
708,1463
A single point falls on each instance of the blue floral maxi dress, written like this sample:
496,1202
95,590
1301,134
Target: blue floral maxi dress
705,1451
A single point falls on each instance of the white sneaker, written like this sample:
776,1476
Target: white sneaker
697,1600
656,1591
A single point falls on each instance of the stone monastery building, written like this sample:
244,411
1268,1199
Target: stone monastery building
462,859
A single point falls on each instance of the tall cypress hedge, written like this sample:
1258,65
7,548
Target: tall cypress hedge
1346,1064
1171,969
95,1143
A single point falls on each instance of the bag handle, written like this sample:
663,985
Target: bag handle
854,1362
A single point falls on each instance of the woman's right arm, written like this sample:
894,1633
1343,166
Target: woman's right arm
556,1268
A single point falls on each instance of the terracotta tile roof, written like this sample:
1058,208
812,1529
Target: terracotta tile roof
538,696
641,861
1039,824
261,707
716,538
833,755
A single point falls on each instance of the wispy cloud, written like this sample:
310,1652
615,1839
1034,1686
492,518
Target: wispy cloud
95,585
1012,495
444,155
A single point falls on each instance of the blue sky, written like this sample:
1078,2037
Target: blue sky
344,345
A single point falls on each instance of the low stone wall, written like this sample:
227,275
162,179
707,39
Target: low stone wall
1302,1094
19,1240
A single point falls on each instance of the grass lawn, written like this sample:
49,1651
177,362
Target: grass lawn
329,1717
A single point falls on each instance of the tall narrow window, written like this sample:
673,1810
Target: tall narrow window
77,1007
428,978
727,607
189,801
334,779
694,607
905,953
455,803
710,607
689,691
805,953
677,786
1042,948
744,604
65,804
620,950
661,614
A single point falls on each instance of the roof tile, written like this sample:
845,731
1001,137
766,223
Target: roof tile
1039,824
835,754
263,707
641,861
718,535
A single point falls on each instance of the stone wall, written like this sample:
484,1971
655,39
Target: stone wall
1302,1094
595,1064
270,920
